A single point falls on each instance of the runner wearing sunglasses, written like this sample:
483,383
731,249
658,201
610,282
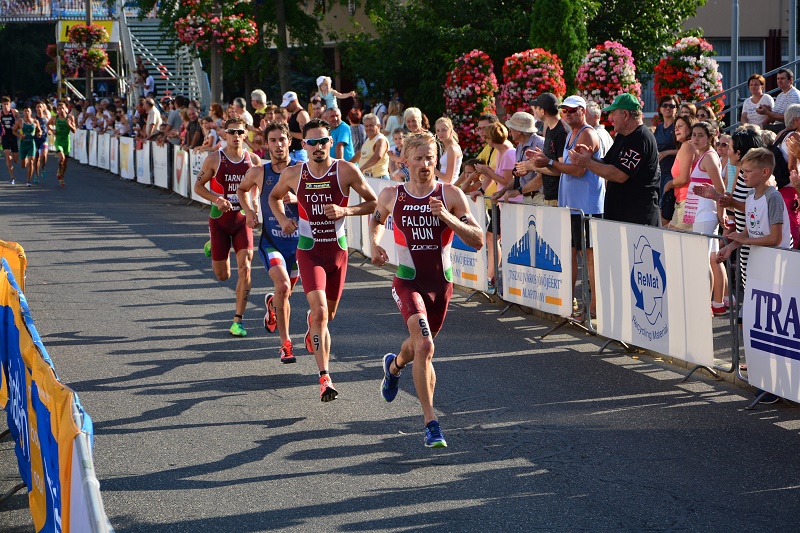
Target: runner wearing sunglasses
227,224
322,186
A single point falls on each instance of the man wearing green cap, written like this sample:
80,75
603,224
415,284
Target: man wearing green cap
630,166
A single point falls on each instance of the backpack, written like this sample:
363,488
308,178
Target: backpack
781,171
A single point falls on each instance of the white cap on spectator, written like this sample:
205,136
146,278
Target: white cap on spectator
574,101
288,97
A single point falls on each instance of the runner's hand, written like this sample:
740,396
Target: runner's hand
437,208
334,212
379,255
289,227
252,219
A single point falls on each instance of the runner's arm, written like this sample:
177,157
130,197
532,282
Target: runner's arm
353,178
279,191
253,178
458,217
377,223
203,177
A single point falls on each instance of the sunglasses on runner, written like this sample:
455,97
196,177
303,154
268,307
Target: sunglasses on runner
235,132
321,141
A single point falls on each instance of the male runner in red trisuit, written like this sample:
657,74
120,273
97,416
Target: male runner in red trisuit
322,186
426,214
227,223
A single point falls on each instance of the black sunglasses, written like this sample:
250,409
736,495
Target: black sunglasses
235,132
668,106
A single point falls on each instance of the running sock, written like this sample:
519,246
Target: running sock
323,373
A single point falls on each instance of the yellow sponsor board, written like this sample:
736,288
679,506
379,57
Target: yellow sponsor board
65,25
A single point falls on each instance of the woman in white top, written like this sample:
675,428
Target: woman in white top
450,162
706,170
756,84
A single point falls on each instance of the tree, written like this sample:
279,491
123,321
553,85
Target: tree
418,41
644,27
559,26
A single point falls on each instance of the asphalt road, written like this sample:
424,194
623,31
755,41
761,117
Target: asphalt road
196,430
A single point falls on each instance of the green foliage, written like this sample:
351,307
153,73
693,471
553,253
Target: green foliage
644,27
22,52
419,40
559,26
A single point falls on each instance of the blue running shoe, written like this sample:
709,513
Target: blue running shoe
433,436
389,383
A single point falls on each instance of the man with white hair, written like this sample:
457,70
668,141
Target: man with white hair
593,115
258,99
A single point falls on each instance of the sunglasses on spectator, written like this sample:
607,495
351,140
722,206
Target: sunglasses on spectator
321,141
668,106
724,145
569,110
235,132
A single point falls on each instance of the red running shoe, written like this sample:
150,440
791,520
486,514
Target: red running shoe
287,352
326,391
270,320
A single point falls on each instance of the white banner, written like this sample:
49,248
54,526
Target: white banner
180,172
81,149
387,241
71,144
537,257
113,155
160,170
641,273
143,164
197,160
355,239
103,141
469,264
92,148
127,161
771,321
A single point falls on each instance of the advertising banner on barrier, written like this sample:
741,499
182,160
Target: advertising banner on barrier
355,236
103,149
537,257
91,145
469,264
113,155
196,163
771,321
160,165
387,241
143,164
71,144
81,148
127,158
40,417
180,172
653,289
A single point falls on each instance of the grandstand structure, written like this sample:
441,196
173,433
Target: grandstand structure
174,70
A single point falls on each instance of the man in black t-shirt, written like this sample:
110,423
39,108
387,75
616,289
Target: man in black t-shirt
630,166
555,138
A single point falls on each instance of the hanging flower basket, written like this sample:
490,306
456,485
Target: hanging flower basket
607,71
469,91
528,74
688,71
88,34
84,59
233,33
